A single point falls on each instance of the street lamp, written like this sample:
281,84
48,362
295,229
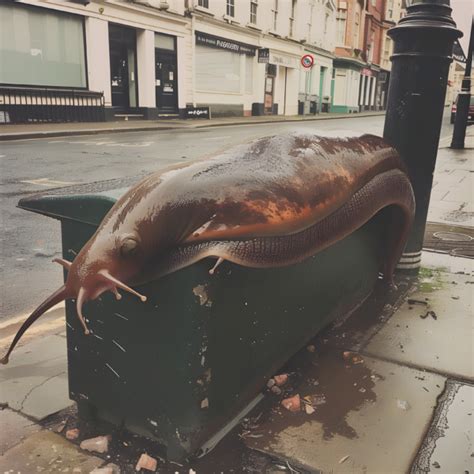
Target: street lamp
423,46
464,100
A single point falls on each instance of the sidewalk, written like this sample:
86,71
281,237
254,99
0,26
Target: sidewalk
390,389
42,130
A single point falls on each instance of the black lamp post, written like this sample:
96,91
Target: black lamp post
464,99
423,45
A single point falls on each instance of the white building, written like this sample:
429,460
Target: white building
155,58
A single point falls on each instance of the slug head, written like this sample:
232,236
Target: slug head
104,264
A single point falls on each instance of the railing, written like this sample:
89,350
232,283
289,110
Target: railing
32,105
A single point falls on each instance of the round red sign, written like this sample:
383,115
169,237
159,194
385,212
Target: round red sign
307,61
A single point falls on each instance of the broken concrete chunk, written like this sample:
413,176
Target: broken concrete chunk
309,409
100,444
205,403
281,379
72,434
276,390
292,404
311,348
146,462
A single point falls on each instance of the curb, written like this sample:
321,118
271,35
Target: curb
100,131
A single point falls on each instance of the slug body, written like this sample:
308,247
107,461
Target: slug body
273,202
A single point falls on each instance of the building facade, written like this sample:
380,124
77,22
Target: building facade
182,58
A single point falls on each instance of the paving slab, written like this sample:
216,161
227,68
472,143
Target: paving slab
369,417
434,328
35,380
448,445
47,452
15,428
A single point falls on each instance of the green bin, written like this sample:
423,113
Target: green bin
183,367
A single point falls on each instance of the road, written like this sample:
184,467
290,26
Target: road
29,241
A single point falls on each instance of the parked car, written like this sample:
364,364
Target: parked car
470,116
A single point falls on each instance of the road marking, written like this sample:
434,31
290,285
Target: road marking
218,138
110,143
47,182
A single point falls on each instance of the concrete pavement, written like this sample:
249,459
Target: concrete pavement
390,394
45,130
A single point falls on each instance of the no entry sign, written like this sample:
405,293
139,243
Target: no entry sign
307,61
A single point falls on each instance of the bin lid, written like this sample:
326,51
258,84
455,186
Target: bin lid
87,203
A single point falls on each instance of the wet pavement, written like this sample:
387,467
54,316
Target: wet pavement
388,389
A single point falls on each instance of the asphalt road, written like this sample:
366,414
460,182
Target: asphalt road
29,241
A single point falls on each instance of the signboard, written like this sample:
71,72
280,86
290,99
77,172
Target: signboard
307,61
263,55
212,41
197,112
367,72
283,60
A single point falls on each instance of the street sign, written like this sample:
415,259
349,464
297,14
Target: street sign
307,61
263,55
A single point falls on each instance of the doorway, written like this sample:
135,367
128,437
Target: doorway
166,72
123,69
269,89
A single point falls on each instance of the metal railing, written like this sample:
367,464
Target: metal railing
32,105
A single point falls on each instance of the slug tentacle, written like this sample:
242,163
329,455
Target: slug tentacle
121,285
79,302
64,263
59,295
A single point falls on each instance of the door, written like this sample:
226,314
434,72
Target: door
166,81
122,44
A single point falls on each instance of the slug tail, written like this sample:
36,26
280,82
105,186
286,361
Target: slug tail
59,295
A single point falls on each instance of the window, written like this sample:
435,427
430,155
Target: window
341,28
356,29
217,70
292,16
203,3
41,48
249,62
230,7
253,11
275,14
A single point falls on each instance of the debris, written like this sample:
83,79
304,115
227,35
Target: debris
429,313
61,426
100,444
357,359
311,348
436,464
276,390
455,297
281,379
309,409
347,355
205,403
292,404
146,462
403,405
318,400
344,459
107,469
72,434
413,301
201,292
271,383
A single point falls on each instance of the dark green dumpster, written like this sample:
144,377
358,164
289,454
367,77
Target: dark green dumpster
183,367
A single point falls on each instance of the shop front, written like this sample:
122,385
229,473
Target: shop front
224,74
367,89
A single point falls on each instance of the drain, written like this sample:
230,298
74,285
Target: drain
452,237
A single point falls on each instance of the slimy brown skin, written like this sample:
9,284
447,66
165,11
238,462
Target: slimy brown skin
273,202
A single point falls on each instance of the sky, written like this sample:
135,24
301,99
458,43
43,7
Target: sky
462,15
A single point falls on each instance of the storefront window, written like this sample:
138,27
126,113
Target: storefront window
164,42
41,48
217,70
249,60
